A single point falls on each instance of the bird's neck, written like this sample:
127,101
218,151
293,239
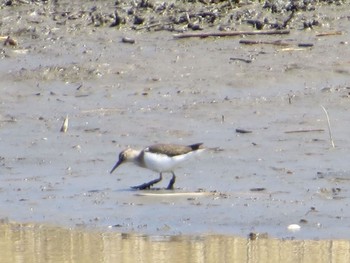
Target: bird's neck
135,156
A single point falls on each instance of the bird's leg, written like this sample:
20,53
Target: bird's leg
172,182
149,184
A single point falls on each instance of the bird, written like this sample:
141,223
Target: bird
160,158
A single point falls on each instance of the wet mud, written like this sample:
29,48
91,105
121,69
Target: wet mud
133,84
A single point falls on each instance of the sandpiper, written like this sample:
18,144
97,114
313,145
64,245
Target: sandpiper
160,158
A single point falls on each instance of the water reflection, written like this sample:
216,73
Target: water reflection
38,243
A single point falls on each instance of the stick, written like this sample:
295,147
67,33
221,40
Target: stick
64,127
334,33
276,42
300,131
232,34
255,42
242,59
329,127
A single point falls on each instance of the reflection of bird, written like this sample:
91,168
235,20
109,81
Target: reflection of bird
159,158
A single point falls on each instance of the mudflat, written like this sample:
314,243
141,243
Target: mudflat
117,73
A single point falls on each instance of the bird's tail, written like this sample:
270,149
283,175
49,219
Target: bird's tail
196,146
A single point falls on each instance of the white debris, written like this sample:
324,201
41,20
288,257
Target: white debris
293,228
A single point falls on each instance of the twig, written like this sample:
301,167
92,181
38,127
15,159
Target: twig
255,42
292,49
242,59
64,126
232,34
276,42
329,127
300,131
333,33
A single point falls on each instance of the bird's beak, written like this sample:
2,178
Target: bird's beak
116,165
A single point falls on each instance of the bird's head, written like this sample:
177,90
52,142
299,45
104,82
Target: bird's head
127,155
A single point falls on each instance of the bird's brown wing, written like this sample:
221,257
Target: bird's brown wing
172,149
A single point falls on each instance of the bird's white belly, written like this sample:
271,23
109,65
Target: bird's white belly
164,163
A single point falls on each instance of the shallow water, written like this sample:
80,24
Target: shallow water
38,243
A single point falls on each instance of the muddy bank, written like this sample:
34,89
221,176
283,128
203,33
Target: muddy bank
175,16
